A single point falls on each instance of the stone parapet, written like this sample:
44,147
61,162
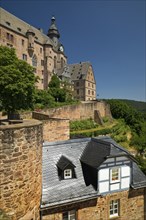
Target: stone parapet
54,129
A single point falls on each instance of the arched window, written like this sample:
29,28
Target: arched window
55,61
34,60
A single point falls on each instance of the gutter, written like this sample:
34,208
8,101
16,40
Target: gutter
67,203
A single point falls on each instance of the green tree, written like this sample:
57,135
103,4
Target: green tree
132,117
139,141
55,82
44,99
55,89
17,82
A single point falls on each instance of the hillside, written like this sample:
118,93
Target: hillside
138,105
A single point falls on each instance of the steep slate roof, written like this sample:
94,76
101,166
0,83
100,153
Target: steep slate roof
76,71
56,192
15,24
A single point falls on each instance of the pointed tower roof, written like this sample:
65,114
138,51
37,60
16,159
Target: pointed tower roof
53,31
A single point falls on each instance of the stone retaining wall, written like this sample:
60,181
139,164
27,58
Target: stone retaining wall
84,110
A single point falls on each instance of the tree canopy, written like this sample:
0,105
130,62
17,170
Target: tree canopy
60,90
17,82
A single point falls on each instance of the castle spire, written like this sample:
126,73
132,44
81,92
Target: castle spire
53,31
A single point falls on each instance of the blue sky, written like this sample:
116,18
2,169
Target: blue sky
109,34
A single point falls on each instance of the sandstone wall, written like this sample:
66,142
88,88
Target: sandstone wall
20,171
82,111
54,129
131,207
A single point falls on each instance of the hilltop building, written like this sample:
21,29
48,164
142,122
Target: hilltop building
46,54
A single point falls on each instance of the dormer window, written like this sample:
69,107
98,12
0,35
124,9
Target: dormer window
66,169
8,23
115,175
19,29
67,174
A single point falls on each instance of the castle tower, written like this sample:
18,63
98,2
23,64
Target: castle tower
21,170
53,32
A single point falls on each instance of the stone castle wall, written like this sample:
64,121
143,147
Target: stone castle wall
131,207
21,169
82,111
54,129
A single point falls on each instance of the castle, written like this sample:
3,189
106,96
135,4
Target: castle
46,54
43,174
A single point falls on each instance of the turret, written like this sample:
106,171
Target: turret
30,34
53,32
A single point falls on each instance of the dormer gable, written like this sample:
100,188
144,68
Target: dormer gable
108,165
66,169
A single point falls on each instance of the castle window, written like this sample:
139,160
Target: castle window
92,92
115,175
8,23
41,49
10,45
42,62
78,91
22,42
70,215
24,57
67,174
62,62
114,208
88,92
34,60
55,61
77,84
10,37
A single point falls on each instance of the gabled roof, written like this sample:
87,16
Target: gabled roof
76,71
64,162
56,192
98,150
13,23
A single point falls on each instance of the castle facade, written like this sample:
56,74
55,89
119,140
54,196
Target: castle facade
46,54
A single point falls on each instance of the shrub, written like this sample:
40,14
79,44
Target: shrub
82,125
